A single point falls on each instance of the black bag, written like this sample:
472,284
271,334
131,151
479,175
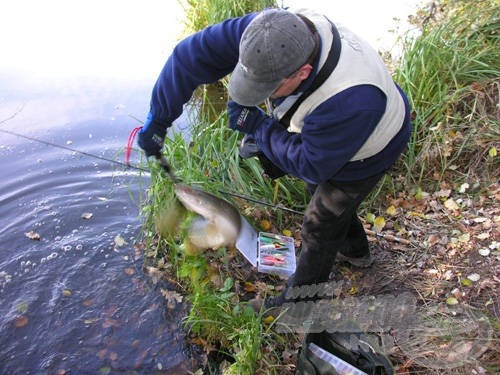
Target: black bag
315,355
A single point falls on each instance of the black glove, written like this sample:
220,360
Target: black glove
152,137
248,148
244,119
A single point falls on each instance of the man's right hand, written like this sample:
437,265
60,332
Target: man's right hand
152,137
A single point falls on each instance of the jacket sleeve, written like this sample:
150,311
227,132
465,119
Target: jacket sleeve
330,137
203,57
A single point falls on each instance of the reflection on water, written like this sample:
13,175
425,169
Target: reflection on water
76,299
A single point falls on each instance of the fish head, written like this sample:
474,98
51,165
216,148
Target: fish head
196,200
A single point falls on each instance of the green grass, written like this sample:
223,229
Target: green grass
452,56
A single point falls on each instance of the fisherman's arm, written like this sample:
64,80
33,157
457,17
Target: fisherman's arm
203,57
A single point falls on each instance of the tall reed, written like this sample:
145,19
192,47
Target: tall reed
458,49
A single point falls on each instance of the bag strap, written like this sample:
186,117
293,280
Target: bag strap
325,71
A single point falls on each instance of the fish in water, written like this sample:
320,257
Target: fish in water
219,222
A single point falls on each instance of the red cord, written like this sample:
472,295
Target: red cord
130,144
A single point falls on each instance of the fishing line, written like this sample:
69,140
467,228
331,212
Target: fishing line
74,150
128,165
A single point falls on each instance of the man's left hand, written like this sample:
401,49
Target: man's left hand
244,119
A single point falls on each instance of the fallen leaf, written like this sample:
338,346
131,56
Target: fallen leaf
22,307
370,218
287,232
474,277
444,193
66,293
20,321
483,236
391,211
249,287
172,297
451,301
268,319
113,356
451,205
484,252
378,224
87,215
119,241
433,239
493,152
102,353
466,282
463,188
265,224
464,237
110,322
32,235
129,271
479,220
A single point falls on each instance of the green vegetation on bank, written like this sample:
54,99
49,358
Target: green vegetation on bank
451,75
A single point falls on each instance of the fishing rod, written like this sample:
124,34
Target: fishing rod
166,167
161,161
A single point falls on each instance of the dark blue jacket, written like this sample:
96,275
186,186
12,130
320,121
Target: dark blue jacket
331,135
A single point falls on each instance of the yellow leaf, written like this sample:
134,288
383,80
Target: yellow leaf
268,319
492,152
466,282
378,223
353,291
391,211
265,224
451,301
287,232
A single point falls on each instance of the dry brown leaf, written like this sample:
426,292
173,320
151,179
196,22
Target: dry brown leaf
110,322
20,321
172,297
113,356
433,239
249,287
102,353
